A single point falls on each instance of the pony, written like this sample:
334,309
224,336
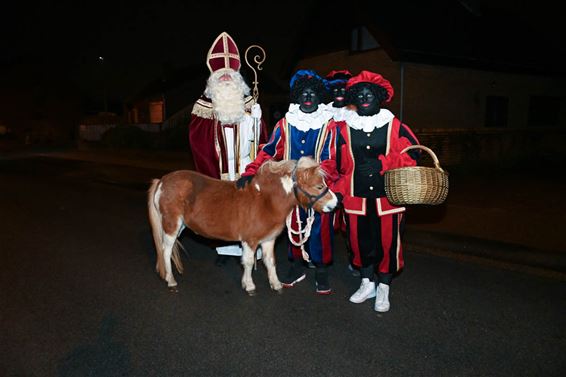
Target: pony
254,215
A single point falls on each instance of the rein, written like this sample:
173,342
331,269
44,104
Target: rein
303,234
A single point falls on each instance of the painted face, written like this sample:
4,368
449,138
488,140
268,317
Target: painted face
309,101
339,96
367,103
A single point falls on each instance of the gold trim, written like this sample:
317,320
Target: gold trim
236,141
217,148
287,149
321,138
224,54
349,143
203,109
388,146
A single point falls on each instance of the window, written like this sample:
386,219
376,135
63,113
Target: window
156,112
133,115
362,40
496,109
544,111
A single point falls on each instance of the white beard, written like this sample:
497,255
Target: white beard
227,96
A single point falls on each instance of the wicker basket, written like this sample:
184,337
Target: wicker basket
417,184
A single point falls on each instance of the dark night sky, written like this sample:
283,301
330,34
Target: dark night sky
138,39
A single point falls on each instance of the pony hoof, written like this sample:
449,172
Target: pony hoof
173,289
279,291
251,293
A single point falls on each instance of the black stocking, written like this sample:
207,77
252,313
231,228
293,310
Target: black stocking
367,272
385,278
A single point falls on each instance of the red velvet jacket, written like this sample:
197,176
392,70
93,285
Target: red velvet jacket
398,137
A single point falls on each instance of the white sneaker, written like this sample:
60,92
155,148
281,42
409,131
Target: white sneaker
366,290
382,300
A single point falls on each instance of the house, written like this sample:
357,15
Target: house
477,85
478,81
167,102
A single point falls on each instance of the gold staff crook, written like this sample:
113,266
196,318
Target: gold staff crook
258,59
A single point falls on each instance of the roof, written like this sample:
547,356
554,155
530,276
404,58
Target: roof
491,35
494,35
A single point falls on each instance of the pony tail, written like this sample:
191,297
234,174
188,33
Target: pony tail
176,257
156,230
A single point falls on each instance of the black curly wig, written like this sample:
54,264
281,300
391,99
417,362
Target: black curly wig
309,82
378,91
338,80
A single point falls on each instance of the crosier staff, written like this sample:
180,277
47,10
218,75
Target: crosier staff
258,59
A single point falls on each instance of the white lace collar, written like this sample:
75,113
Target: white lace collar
368,123
308,121
340,113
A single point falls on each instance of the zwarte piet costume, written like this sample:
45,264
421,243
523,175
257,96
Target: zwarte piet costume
299,134
369,145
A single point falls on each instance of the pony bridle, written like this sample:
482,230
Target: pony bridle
312,199
303,234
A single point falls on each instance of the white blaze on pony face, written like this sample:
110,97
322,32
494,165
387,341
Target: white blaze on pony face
331,204
287,184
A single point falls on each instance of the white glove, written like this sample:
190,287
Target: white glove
256,111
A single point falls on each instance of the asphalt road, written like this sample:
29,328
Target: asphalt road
79,297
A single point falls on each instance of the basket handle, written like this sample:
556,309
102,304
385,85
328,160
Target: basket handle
429,151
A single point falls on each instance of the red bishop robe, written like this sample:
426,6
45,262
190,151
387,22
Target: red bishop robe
207,138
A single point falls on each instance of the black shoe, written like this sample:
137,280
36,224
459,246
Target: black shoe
295,275
355,271
322,284
221,260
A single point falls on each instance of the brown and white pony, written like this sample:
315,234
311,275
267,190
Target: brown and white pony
254,215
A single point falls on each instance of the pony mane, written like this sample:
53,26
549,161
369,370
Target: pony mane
277,167
287,166
306,162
